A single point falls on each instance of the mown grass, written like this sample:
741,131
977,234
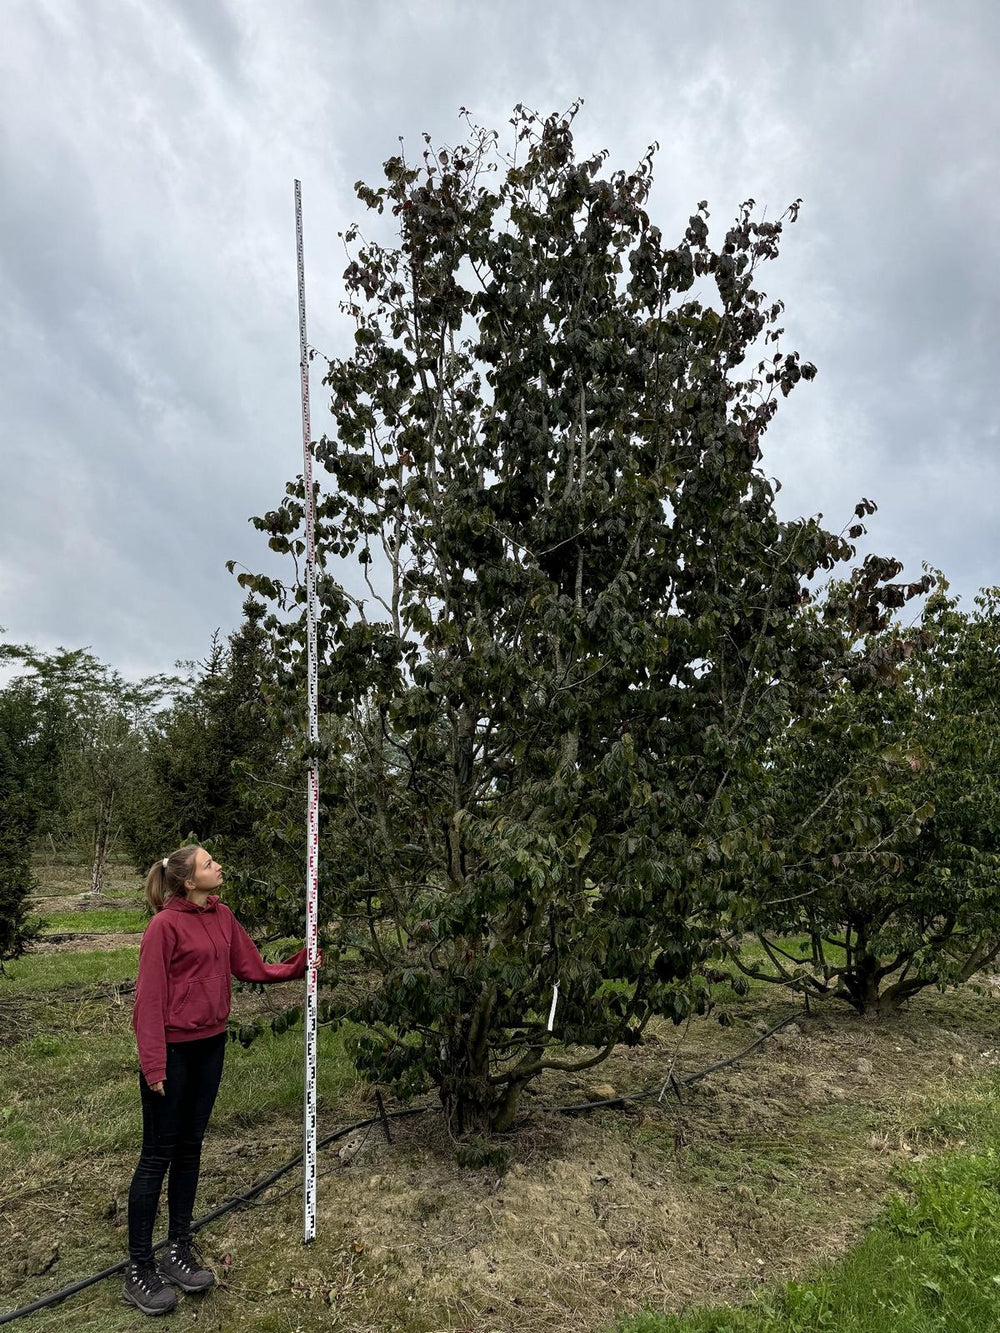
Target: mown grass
789,1166
51,971
102,921
93,1079
931,1261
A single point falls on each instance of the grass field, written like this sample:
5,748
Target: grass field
843,1177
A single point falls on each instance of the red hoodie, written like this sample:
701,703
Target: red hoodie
182,991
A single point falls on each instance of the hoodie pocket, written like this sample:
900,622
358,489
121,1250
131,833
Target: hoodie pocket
203,1003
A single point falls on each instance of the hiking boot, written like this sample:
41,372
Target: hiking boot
184,1265
145,1289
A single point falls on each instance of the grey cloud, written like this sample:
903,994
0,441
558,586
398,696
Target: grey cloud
215,30
149,351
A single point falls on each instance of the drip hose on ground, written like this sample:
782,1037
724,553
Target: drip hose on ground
259,1186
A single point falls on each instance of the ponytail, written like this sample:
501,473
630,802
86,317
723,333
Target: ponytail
168,878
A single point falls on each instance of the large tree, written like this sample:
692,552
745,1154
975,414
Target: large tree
583,618
101,770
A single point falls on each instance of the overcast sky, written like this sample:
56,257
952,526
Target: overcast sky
149,341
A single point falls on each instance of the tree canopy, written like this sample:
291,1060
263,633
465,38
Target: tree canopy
546,721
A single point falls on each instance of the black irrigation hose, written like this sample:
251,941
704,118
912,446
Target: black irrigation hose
677,1083
258,1188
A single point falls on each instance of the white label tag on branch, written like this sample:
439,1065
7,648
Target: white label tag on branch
552,1007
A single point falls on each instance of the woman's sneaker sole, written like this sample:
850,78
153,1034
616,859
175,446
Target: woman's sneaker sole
152,1310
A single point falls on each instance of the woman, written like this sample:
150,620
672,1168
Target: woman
182,1000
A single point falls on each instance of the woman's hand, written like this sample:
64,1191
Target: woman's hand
158,1087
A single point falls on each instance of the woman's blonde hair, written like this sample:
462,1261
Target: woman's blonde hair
168,878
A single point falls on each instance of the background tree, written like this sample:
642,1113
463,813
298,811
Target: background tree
37,711
207,754
55,689
100,768
19,817
37,708
893,794
81,751
584,620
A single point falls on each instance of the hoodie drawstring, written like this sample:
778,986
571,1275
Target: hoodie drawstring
211,935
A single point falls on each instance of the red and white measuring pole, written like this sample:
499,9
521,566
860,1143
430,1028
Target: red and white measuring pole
312,802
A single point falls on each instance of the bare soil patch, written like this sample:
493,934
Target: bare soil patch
86,943
82,902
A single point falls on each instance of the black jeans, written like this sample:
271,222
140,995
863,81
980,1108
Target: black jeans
173,1127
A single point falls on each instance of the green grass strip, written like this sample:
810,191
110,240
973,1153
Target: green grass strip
50,971
102,921
930,1262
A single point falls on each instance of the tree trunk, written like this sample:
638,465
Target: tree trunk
872,1003
507,1107
893,996
467,1096
472,1103
102,837
862,986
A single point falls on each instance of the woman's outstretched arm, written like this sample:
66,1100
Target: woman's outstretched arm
246,963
